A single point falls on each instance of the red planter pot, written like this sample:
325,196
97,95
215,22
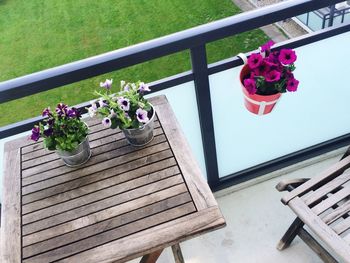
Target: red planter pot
257,104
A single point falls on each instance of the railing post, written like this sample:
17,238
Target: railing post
201,82
331,15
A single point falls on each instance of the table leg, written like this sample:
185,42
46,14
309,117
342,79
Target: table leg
152,257
177,253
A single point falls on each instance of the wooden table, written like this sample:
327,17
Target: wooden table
125,202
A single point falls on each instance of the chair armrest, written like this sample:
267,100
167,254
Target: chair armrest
290,184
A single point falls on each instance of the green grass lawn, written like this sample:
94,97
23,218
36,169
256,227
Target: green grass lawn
37,34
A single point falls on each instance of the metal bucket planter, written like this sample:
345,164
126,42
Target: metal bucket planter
78,156
143,135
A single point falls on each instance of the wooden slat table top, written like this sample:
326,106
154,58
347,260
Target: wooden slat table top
123,203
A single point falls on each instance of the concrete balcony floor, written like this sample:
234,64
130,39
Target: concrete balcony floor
256,220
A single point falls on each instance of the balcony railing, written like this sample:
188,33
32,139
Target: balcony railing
202,78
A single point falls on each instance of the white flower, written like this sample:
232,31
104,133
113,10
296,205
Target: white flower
102,103
93,104
141,115
107,84
124,103
122,83
112,114
143,87
106,122
92,112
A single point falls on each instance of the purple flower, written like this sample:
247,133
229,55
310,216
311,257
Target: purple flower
255,61
48,131
126,87
272,76
46,112
267,46
35,133
124,103
143,87
250,86
50,121
93,105
61,109
287,56
292,84
73,113
142,115
106,122
107,84
102,103
261,70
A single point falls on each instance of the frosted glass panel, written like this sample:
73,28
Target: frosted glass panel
183,101
317,112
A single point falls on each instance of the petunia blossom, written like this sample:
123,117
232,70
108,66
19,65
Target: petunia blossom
107,84
141,115
106,122
292,84
35,133
261,70
143,87
46,112
123,103
267,46
250,86
112,114
73,113
287,56
102,103
272,76
92,112
255,60
48,131
93,105
61,109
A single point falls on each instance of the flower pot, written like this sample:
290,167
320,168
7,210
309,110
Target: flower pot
143,135
257,104
78,156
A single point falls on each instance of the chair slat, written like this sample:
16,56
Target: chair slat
323,231
331,201
337,213
342,226
325,189
322,178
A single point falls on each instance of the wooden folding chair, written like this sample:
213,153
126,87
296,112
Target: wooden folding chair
322,203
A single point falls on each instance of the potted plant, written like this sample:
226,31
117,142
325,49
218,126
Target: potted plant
63,131
267,75
126,109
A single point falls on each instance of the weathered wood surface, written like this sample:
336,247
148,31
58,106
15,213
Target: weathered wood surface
323,204
321,229
326,176
123,203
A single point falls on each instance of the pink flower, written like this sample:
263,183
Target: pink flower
255,61
261,70
250,86
292,84
287,56
267,46
273,76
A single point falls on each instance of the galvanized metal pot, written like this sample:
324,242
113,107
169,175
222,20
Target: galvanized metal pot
78,156
143,135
